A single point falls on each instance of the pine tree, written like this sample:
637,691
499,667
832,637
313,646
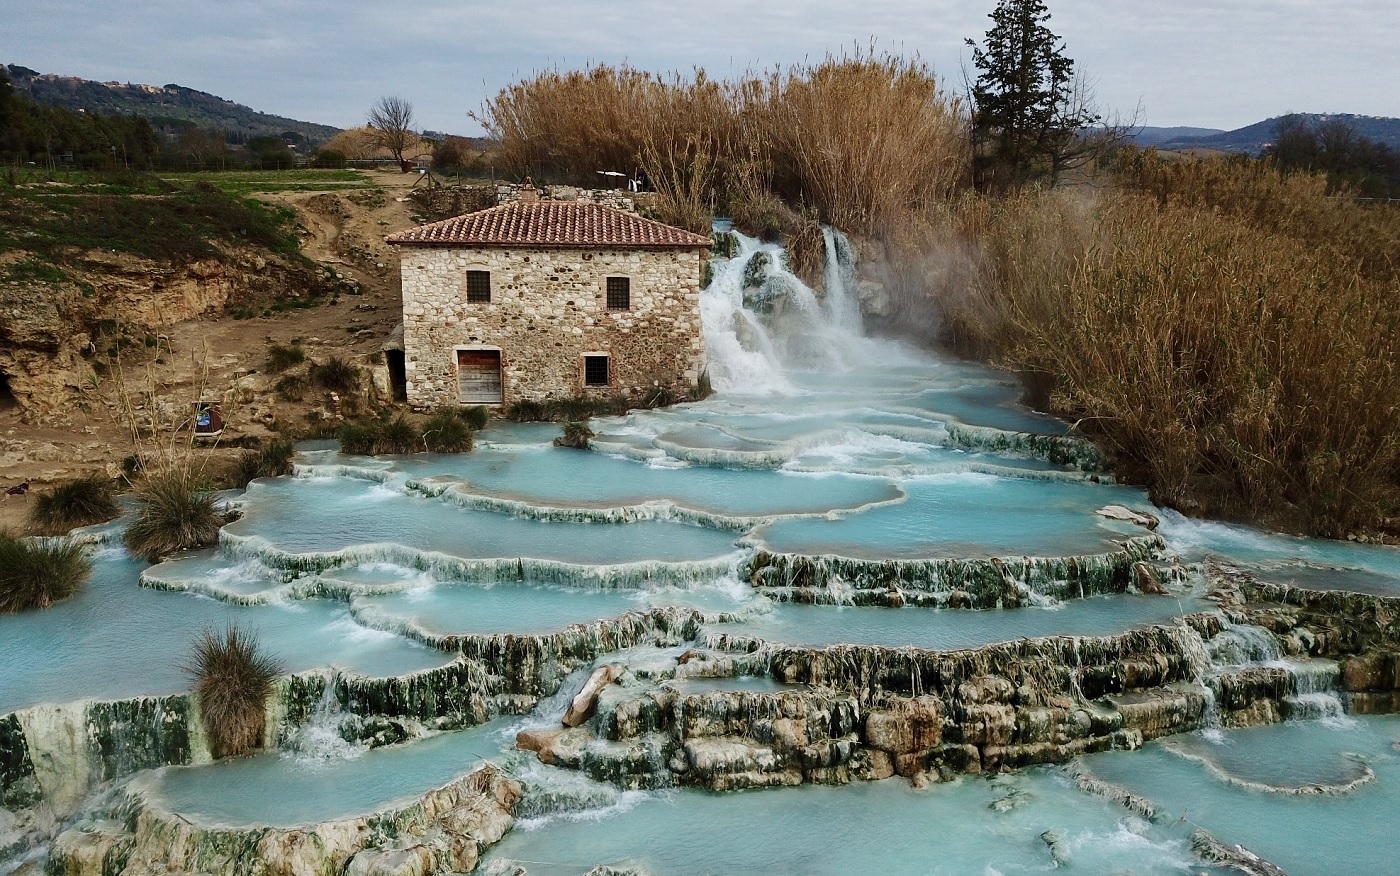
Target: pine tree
1028,110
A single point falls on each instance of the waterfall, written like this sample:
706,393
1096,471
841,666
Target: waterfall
319,739
1315,696
760,319
842,303
1240,644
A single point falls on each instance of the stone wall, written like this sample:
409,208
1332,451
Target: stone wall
548,308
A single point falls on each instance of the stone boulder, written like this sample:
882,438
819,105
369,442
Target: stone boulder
585,701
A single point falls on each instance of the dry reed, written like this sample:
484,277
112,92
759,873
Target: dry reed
865,141
1240,360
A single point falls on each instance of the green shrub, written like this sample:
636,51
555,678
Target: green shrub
358,438
280,357
527,411
576,435
329,158
272,460
292,387
446,431
397,436
335,375
79,502
233,678
36,573
177,512
475,417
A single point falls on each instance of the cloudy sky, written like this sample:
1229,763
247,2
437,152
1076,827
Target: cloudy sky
1212,63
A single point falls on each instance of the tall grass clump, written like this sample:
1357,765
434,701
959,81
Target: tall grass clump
335,375
569,125
280,357
177,511
272,460
448,431
36,573
867,140
575,435
80,502
1241,363
233,678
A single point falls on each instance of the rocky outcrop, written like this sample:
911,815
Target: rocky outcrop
51,333
993,582
1360,631
444,831
863,712
54,755
1059,449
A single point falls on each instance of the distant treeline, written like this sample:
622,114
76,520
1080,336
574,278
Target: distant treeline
171,108
1334,147
54,137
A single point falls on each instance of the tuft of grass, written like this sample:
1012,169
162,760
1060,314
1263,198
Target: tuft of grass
177,512
79,502
272,460
397,436
566,410
576,435
475,417
358,437
233,678
36,573
657,397
280,357
335,375
292,387
527,411
446,431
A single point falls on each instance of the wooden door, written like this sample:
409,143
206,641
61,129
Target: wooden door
479,377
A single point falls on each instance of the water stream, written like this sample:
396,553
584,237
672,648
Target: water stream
819,441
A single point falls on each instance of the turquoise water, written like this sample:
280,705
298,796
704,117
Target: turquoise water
117,639
285,790
972,826
320,515
949,629
526,609
1305,835
967,515
1311,562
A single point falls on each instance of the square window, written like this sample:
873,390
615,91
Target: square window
619,293
479,287
595,370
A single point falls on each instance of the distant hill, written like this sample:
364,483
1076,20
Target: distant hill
1253,138
1158,136
170,108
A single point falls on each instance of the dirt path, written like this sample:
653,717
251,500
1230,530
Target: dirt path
217,356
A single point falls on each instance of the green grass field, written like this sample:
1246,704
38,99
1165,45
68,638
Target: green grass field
249,182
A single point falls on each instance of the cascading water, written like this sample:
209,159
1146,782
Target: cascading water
852,487
842,301
761,320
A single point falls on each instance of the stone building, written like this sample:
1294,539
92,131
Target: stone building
548,299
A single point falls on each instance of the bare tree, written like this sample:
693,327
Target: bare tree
392,121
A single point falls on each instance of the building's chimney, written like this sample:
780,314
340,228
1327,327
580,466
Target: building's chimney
528,193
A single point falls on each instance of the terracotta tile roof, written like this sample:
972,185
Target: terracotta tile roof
550,223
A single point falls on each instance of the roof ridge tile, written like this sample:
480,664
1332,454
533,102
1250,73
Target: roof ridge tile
550,223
